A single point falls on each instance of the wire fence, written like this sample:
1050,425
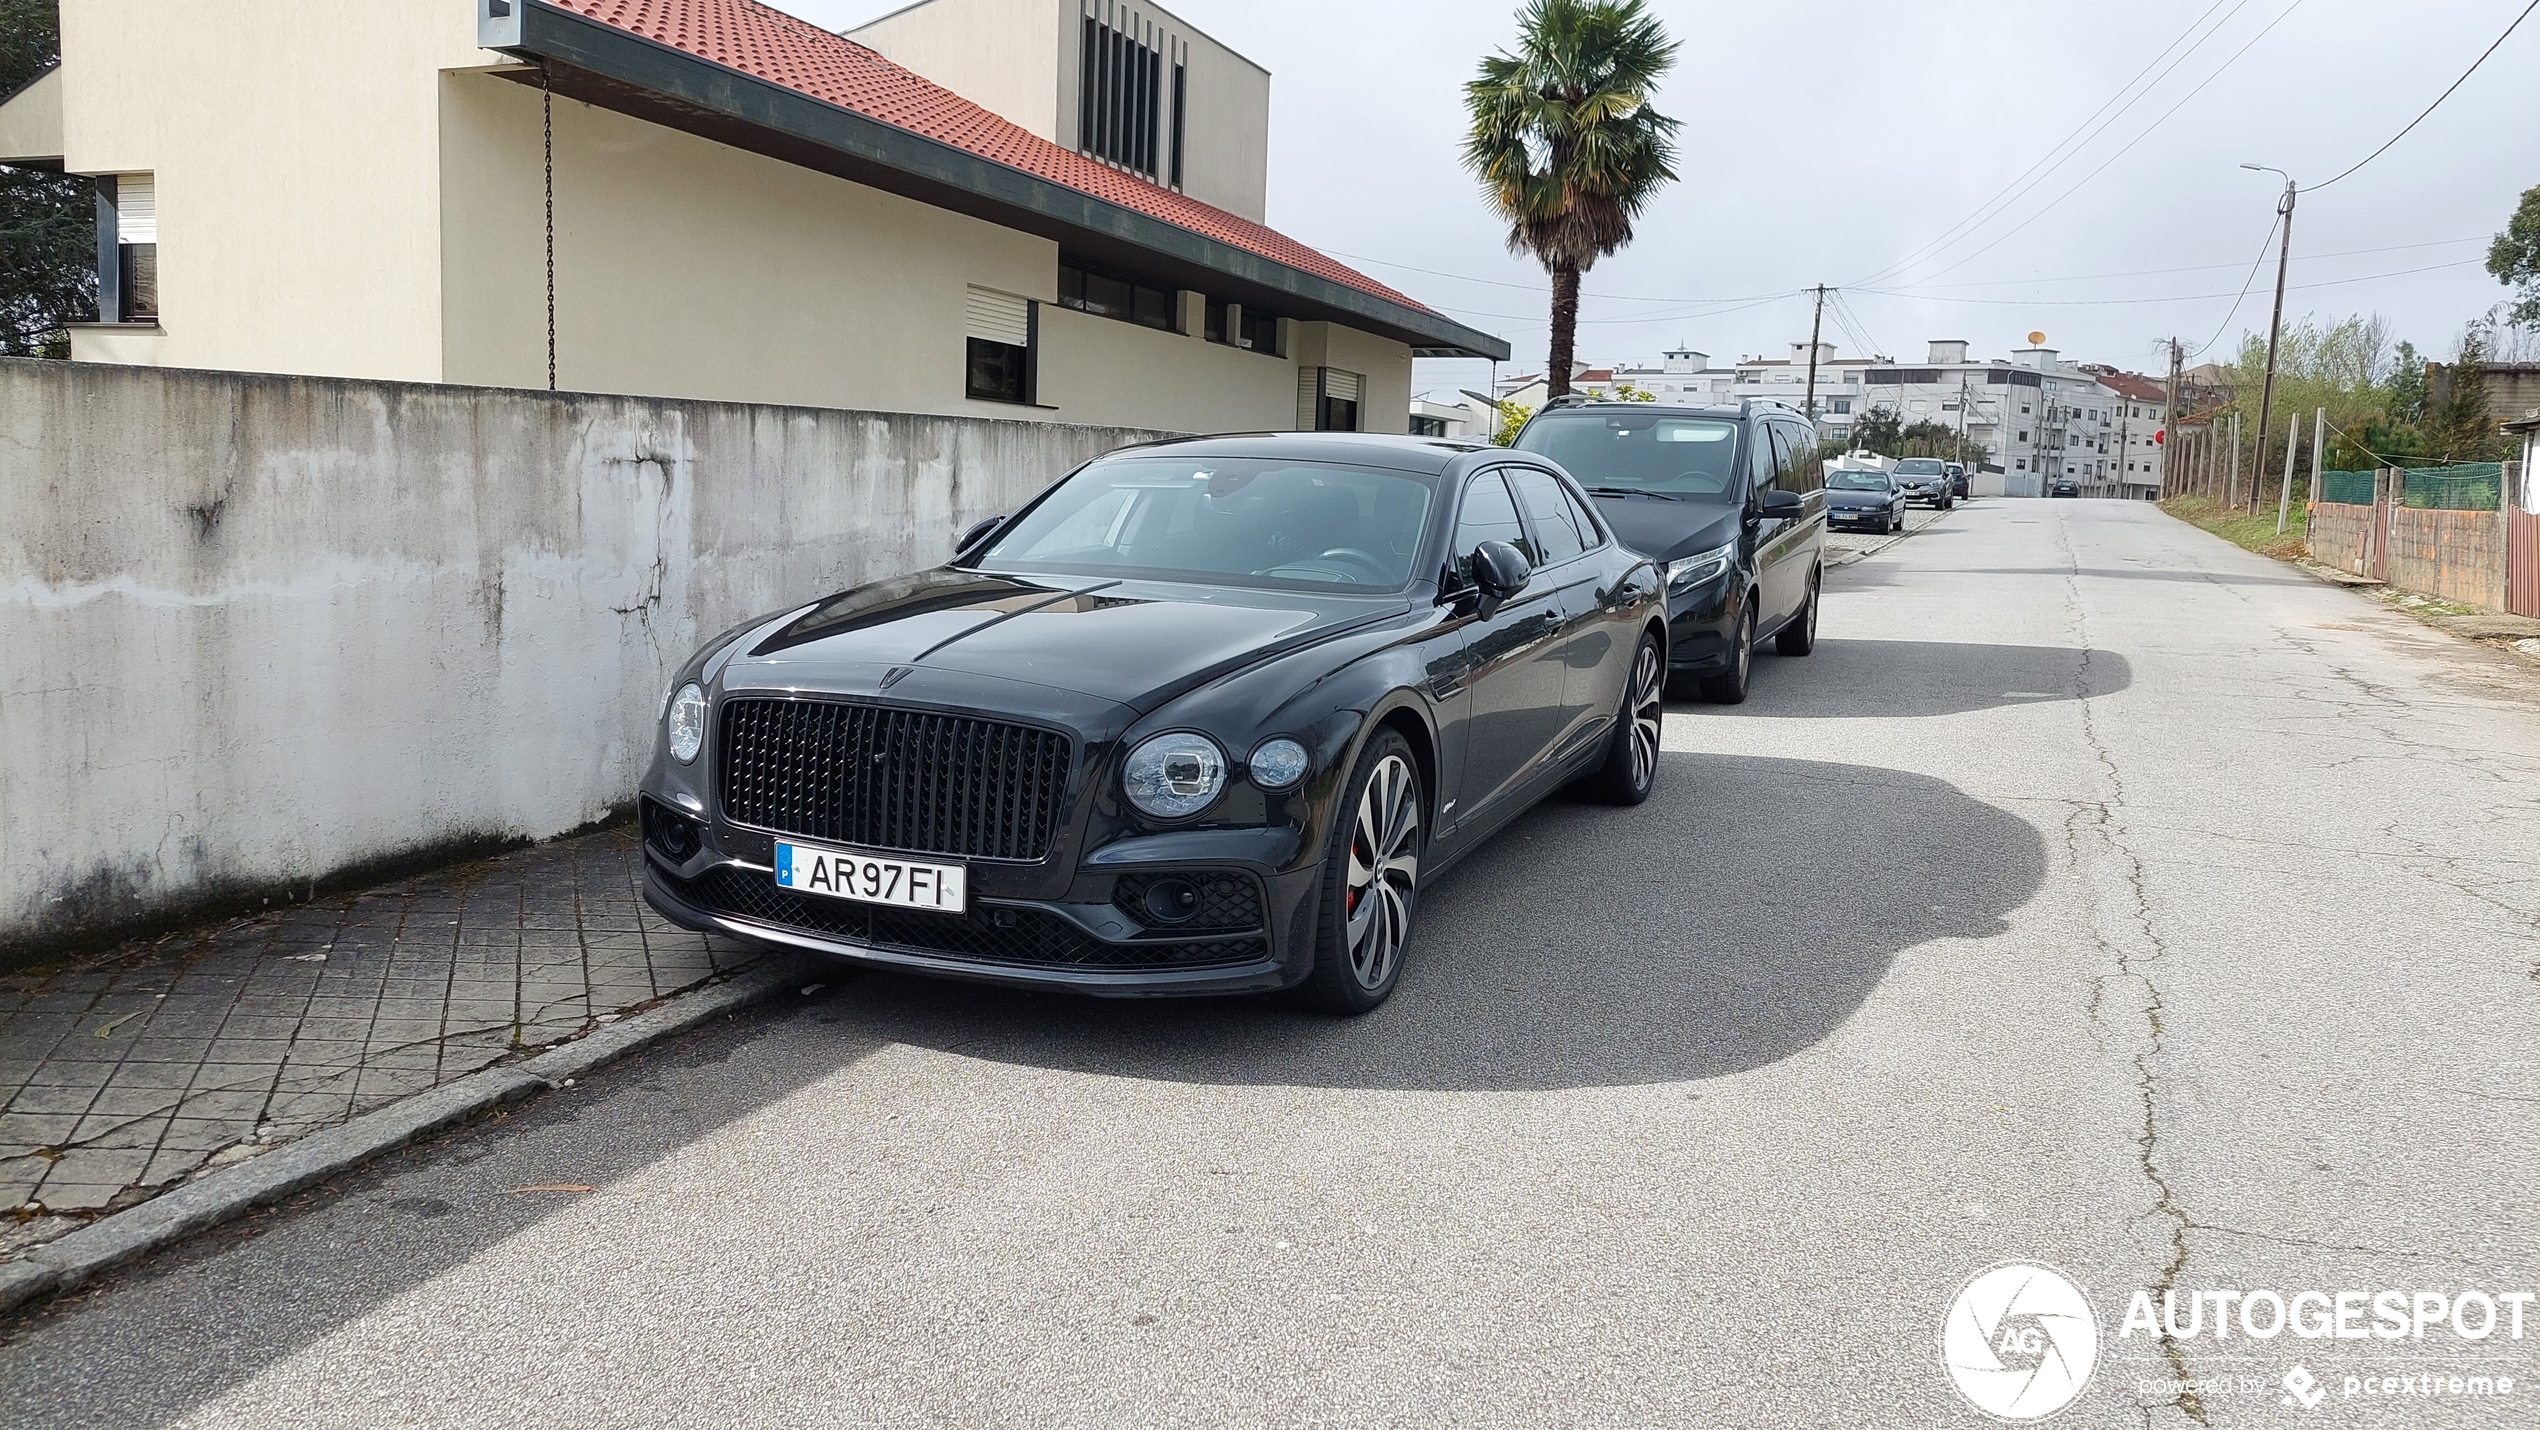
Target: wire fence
2471,486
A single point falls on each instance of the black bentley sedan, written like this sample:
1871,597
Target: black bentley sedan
1204,717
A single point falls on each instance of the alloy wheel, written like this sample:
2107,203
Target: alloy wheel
1384,870
1648,713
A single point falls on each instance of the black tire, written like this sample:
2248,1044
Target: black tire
1729,686
1630,770
1800,636
1357,969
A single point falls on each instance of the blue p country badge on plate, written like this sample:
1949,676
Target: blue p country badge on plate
872,878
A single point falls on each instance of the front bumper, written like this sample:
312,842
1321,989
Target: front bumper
1702,625
1095,940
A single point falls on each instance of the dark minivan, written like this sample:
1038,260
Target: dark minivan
1730,499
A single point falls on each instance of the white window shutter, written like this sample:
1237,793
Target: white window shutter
1343,385
136,208
999,318
1309,398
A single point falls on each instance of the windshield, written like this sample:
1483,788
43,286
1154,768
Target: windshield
1918,467
1856,481
1240,520
1643,451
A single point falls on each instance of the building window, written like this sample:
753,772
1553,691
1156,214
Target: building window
1002,340
2024,434
1181,106
1843,406
1120,98
1239,326
1109,297
1326,400
1427,426
128,263
2019,464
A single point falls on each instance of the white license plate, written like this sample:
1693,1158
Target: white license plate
872,879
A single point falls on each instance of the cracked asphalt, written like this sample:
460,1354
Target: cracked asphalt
2098,895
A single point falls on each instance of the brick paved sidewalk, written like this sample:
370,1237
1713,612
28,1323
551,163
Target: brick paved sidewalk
123,1074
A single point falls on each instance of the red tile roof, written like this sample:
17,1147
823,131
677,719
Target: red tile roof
2133,388
800,56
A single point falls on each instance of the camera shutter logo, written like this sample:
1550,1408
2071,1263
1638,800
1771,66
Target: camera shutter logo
2020,1341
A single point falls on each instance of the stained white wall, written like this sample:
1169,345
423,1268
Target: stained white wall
255,630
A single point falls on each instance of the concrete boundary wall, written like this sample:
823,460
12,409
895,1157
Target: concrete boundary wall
257,631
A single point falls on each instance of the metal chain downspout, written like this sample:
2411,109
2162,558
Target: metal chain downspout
547,102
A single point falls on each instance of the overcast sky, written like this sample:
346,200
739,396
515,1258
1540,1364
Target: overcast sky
1829,143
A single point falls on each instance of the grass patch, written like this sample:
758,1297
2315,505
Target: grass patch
2233,524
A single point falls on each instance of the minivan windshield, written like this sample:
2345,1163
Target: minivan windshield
1249,521
1683,457
1856,481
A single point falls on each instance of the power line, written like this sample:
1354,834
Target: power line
2190,268
2144,134
2438,99
2162,298
2244,290
2049,162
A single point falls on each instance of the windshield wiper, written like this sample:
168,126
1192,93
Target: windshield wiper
1631,492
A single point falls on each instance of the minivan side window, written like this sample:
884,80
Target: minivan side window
1555,526
1760,459
1801,471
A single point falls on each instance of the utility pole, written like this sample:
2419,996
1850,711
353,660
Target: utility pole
2231,495
1815,326
1962,426
2169,422
2275,330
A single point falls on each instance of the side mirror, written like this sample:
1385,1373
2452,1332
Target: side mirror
1781,503
1500,571
976,535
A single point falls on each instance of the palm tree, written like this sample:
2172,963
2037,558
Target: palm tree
1564,139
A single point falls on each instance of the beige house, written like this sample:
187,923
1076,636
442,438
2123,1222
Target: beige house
712,199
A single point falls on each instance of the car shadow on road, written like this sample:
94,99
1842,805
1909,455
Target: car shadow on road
1739,917
1861,679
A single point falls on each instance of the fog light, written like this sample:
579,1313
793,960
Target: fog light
1173,901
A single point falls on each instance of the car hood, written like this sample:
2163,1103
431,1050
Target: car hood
1668,530
1132,643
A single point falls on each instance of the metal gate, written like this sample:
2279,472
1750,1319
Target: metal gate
2522,561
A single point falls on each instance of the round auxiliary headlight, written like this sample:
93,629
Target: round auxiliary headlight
1278,763
687,723
1174,775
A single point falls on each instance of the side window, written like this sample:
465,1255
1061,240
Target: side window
1555,526
1585,515
1490,514
1760,460
1802,472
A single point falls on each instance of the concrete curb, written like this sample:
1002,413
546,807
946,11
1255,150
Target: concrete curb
171,1217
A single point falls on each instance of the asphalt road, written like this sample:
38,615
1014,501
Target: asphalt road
2097,894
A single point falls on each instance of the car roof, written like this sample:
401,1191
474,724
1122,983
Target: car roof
1680,409
1375,449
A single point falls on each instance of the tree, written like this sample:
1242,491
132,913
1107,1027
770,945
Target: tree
2457,425
1625,392
1878,430
1512,418
1565,142
48,222
2515,258
2405,392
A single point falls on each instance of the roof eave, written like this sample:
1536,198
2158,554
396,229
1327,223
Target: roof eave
601,64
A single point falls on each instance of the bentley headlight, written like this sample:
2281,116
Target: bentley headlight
1174,775
1700,567
1277,764
686,723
